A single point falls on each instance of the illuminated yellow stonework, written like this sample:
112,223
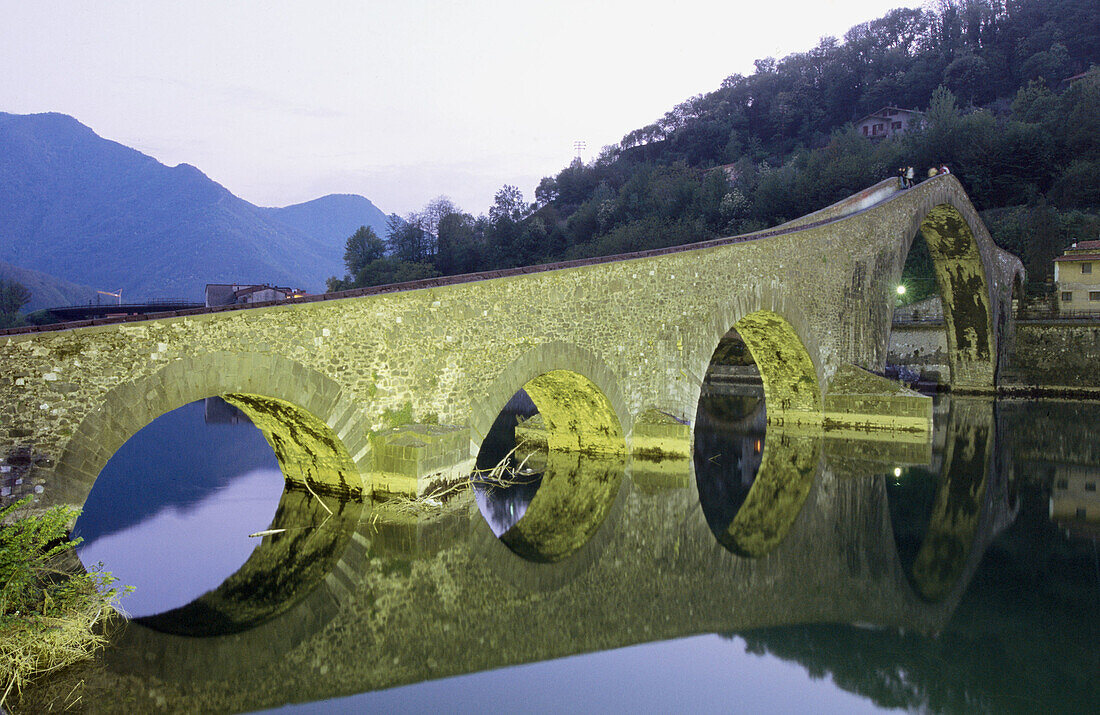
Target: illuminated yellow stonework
787,470
576,414
308,451
791,391
636,333
575,496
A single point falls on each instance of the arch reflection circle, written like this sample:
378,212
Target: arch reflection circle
183,511
551,466
753,481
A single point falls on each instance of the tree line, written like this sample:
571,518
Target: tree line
769,147
13,296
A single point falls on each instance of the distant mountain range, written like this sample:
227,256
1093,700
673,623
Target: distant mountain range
47,291
91,211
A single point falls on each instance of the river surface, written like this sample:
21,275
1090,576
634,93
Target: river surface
773,571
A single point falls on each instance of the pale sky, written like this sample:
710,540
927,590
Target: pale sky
282,102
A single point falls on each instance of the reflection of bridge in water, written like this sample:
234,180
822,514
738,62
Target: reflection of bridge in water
383,598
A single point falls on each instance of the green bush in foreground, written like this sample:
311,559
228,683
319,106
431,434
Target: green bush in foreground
51,613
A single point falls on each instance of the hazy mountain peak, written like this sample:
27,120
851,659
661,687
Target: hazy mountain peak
95,212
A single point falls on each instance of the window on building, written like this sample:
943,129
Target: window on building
1090,486
1086,268
1062,484
896,125
864,130
1067,296
1094,295
1080,513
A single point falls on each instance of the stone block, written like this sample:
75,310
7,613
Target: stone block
409,459
862,402
659,436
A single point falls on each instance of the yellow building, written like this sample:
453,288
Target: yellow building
1077,275
1074,501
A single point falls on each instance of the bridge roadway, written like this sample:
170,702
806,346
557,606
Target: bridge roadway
596,344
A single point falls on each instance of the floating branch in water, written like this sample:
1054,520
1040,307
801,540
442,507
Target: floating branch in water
267,532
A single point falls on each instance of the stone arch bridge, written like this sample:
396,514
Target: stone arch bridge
351,388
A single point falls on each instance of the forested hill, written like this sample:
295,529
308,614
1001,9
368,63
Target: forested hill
45,290
981,50
1002,112
91,211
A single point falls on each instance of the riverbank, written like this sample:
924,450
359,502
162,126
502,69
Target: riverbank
53,612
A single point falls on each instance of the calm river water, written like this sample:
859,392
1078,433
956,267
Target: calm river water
775,571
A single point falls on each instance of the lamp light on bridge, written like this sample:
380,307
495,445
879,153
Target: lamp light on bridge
901,290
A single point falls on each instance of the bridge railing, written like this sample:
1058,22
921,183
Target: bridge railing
1051,314
919,320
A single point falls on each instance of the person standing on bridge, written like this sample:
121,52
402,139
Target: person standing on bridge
909,176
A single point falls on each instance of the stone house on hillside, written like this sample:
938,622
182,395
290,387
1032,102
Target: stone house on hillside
234,293
889,121
1077,276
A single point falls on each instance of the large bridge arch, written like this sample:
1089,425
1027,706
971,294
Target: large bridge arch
974,278
301,412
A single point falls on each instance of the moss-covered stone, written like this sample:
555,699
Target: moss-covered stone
308,451
408,459
863,402
633,334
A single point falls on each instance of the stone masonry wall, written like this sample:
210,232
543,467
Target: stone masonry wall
921,348
1057,354
642,329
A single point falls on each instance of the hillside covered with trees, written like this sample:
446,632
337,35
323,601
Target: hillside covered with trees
1012,101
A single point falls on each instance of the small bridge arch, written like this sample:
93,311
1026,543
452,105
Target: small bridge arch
776,337
553,375
298,410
